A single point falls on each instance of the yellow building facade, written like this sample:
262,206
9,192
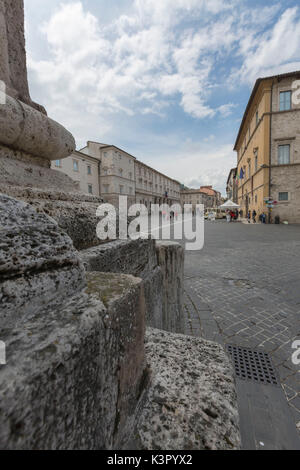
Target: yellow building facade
253,150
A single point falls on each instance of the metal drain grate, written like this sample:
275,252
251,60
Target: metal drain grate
254,365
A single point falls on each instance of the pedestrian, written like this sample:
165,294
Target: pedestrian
254,214
228,216
263,218
249,217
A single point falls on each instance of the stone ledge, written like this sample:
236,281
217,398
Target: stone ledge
27,129
192,402
75,371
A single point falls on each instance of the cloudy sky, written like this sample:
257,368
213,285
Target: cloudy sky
165,80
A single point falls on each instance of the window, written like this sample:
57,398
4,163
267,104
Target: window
75,165
256,199
283,196
121,189
120,171
256,162
106,188
89,170
283,154
58,163
285,100
257,117
130,176
90,188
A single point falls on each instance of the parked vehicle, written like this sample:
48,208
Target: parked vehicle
219,214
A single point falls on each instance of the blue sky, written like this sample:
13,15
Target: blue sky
166,80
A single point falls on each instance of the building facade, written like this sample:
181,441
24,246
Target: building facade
83,169
268,150
205,195
153,187
117,172
231,187
213,197
108,171
193,197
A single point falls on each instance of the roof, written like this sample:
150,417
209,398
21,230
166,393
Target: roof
254,91
229,205
84,155
192,191
103,146
208,190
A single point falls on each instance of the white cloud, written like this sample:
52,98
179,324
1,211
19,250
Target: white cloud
134,56
276,51
209,163
160,53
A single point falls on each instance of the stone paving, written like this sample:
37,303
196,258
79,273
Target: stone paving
244,288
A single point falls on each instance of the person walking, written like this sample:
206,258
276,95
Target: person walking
264,217
254,214
228,216
249,217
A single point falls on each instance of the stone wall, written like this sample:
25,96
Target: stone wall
192,401
286,178
75,347
159,264
170,257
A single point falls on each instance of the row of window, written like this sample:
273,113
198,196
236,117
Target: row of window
122,189
58,164
285,104
282,196
284,158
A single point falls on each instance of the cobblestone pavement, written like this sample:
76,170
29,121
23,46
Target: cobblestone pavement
244,288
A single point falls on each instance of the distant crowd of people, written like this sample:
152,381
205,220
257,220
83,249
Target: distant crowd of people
251,215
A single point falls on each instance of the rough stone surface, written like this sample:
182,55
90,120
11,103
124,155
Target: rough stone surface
75,371
75,213
192,401
24,125
32,249
27,129
135,257
171,261
12,51
75,368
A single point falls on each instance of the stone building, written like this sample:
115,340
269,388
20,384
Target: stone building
117,171
213,197
205,195
83,169
193,197
153,187
231,187
268,149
